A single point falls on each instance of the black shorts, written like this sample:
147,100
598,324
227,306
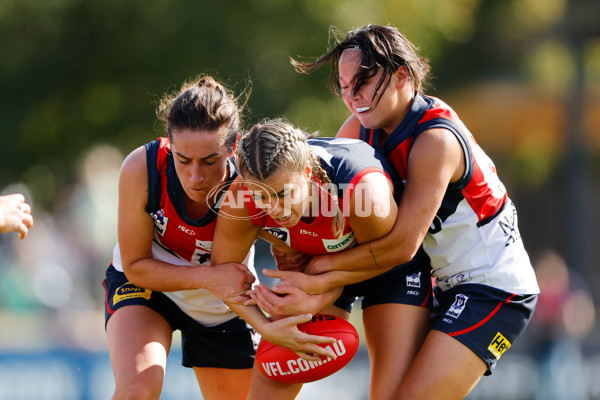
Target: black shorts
485,319
408,283
231,344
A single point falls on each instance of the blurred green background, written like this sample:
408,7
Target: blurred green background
80,80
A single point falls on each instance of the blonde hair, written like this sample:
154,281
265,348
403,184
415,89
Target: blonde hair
275,143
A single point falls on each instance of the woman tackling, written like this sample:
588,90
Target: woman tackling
318,196
453,204
161,279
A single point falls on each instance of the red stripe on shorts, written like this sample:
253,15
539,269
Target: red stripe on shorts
426,297
483,321
110,311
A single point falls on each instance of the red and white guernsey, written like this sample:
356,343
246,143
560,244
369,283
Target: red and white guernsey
346,162
474,236
178,239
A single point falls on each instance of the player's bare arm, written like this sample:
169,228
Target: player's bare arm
372,214
436,160
135,233
233,237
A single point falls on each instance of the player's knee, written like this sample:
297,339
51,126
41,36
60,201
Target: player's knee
137,391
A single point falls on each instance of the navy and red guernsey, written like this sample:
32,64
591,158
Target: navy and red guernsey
474,236
346,162
176,233
178,239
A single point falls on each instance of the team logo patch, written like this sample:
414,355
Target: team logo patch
460,301
130,291
413,280
282,234
341,243
160,221
499,345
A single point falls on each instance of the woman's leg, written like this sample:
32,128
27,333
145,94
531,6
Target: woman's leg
223,383
394,334
263,388
139,340
443,369
334,310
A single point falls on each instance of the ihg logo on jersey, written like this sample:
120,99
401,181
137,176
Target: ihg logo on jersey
499,345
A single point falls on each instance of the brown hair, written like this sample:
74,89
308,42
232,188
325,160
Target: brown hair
202,104
382,47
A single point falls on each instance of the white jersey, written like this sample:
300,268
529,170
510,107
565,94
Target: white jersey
492,254
474,237
200,304
178,239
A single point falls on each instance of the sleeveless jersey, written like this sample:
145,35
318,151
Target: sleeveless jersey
474,236
346,162
178,239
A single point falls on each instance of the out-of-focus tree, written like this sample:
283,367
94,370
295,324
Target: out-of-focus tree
76,73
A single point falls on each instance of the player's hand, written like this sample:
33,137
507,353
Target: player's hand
290,260
318,265
284,301
310,284
284,332
15,215
230,282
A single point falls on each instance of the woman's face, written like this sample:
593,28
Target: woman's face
284,195
385,114
200,161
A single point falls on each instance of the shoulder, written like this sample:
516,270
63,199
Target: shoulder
350,128
438,149
436,109
134,167
436,142
375,182
135,160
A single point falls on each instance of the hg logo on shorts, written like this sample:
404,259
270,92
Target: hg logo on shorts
499,345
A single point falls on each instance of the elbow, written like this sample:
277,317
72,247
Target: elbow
416,254
132,274
402,259
401,247
406,254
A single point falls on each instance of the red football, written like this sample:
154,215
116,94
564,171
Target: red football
283,365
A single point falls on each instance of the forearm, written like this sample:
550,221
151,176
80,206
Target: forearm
378,256
160,276
328,298
284,332
335,279
251,314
